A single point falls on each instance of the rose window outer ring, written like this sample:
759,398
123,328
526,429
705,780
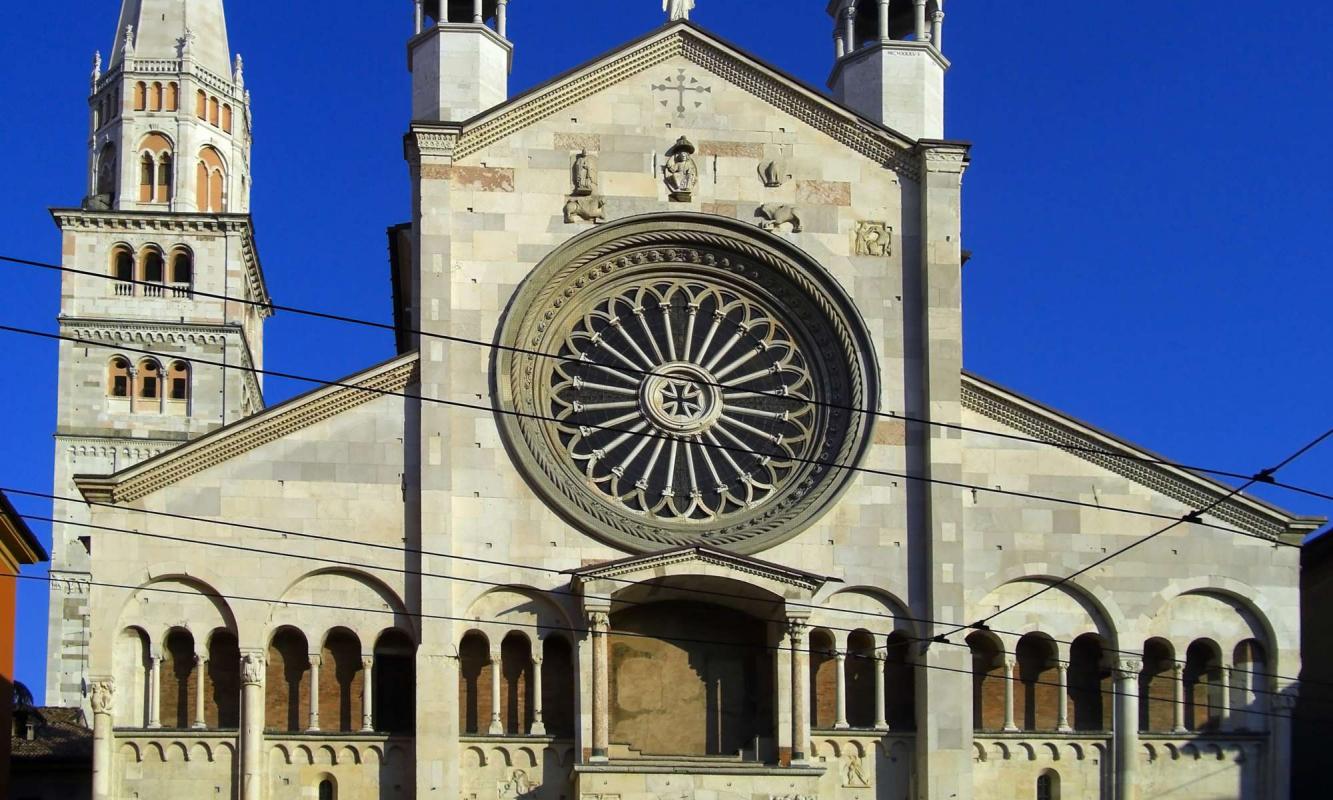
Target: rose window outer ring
701,389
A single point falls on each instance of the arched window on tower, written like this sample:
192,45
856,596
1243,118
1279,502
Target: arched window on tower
201,104
106,175
1048,785
152,272
150,386
155,168
182,273
226,118
211,180
178,382
173,96
140,96
122,269
155,97
213,112
118,378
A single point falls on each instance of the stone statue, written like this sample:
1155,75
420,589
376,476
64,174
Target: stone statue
129,39
97,65
680,173
771,173
238,71
677,9
589,209
585,175
101,696
775,215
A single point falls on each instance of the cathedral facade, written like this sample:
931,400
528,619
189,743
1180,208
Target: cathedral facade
676,488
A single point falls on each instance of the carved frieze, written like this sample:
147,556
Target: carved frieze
873,239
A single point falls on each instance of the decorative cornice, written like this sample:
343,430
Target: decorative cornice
81,220
241,437
430,142
1128,461
702,555
740,69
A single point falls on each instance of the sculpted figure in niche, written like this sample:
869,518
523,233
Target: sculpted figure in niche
585,175
680,173
677,9
853,773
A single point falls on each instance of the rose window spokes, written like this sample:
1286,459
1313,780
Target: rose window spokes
683,401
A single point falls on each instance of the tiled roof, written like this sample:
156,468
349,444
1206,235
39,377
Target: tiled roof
60,735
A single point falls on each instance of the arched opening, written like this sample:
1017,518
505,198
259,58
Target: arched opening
1048,785
341,681
690,679
516,684
151,270
823,679
558,686
163,193
1157,689
394,690
1039,699
177,677
859,674
899,683
132,671
147,169
122,264
155,169
211,180
457,11
106,174
150,384
182,268
327,789
140,96
1090,684
173,96
1250,682
155,97
474,686
213,111
988,681
118,378
201,105
226,118
287,684
178,381
222,688
1203,685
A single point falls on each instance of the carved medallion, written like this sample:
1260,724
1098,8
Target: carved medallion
694,390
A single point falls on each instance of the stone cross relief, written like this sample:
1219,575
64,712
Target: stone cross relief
681,86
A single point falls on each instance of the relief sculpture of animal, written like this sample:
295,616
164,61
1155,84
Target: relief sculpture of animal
588,209
775,215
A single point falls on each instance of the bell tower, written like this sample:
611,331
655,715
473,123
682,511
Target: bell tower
164,222
889,62
460,58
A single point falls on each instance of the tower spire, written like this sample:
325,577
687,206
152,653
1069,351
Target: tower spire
153,29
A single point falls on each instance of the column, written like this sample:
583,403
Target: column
155,691
1178,688
419,17
367,693
1224,710
800,706
937,29
200,670
922,35
497,667
252,725
839,50
502,19
1279,740
476,12
849,28
1062,709
538,726
1010,668
102,697
314,692
840,691
599,623
880,660
1126,722
884,20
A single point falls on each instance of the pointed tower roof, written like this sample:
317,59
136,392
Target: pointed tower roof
160,26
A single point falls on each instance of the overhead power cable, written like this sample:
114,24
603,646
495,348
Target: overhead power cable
496,584
584,631
714,445
489,345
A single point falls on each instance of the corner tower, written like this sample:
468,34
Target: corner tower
460,58
162,232
889,62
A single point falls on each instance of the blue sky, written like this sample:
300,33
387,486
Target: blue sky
1148,205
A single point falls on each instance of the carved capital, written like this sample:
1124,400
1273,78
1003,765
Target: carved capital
599,622
796,630
1128,669
102,696
1010,664
944,158
252,669
367,663
429,144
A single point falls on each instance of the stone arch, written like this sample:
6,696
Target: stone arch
350,755
1099,602
304,752
200,751
1063,612
1076,750
166,598
1052,750
327,755
131,751
281,751
500,755
476,755
316,601
1248,597
1002,751
519,607
1028,750
981,750
531,756
177,749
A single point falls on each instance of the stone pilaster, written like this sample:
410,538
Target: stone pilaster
103,696
1126,723
252,726
599,625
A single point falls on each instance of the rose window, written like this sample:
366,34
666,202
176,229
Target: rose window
685,388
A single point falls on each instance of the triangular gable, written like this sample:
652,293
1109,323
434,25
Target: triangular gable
1042,422
726,61
687,559
245,435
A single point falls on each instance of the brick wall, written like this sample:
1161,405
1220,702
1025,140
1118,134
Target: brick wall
287,683
474,684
